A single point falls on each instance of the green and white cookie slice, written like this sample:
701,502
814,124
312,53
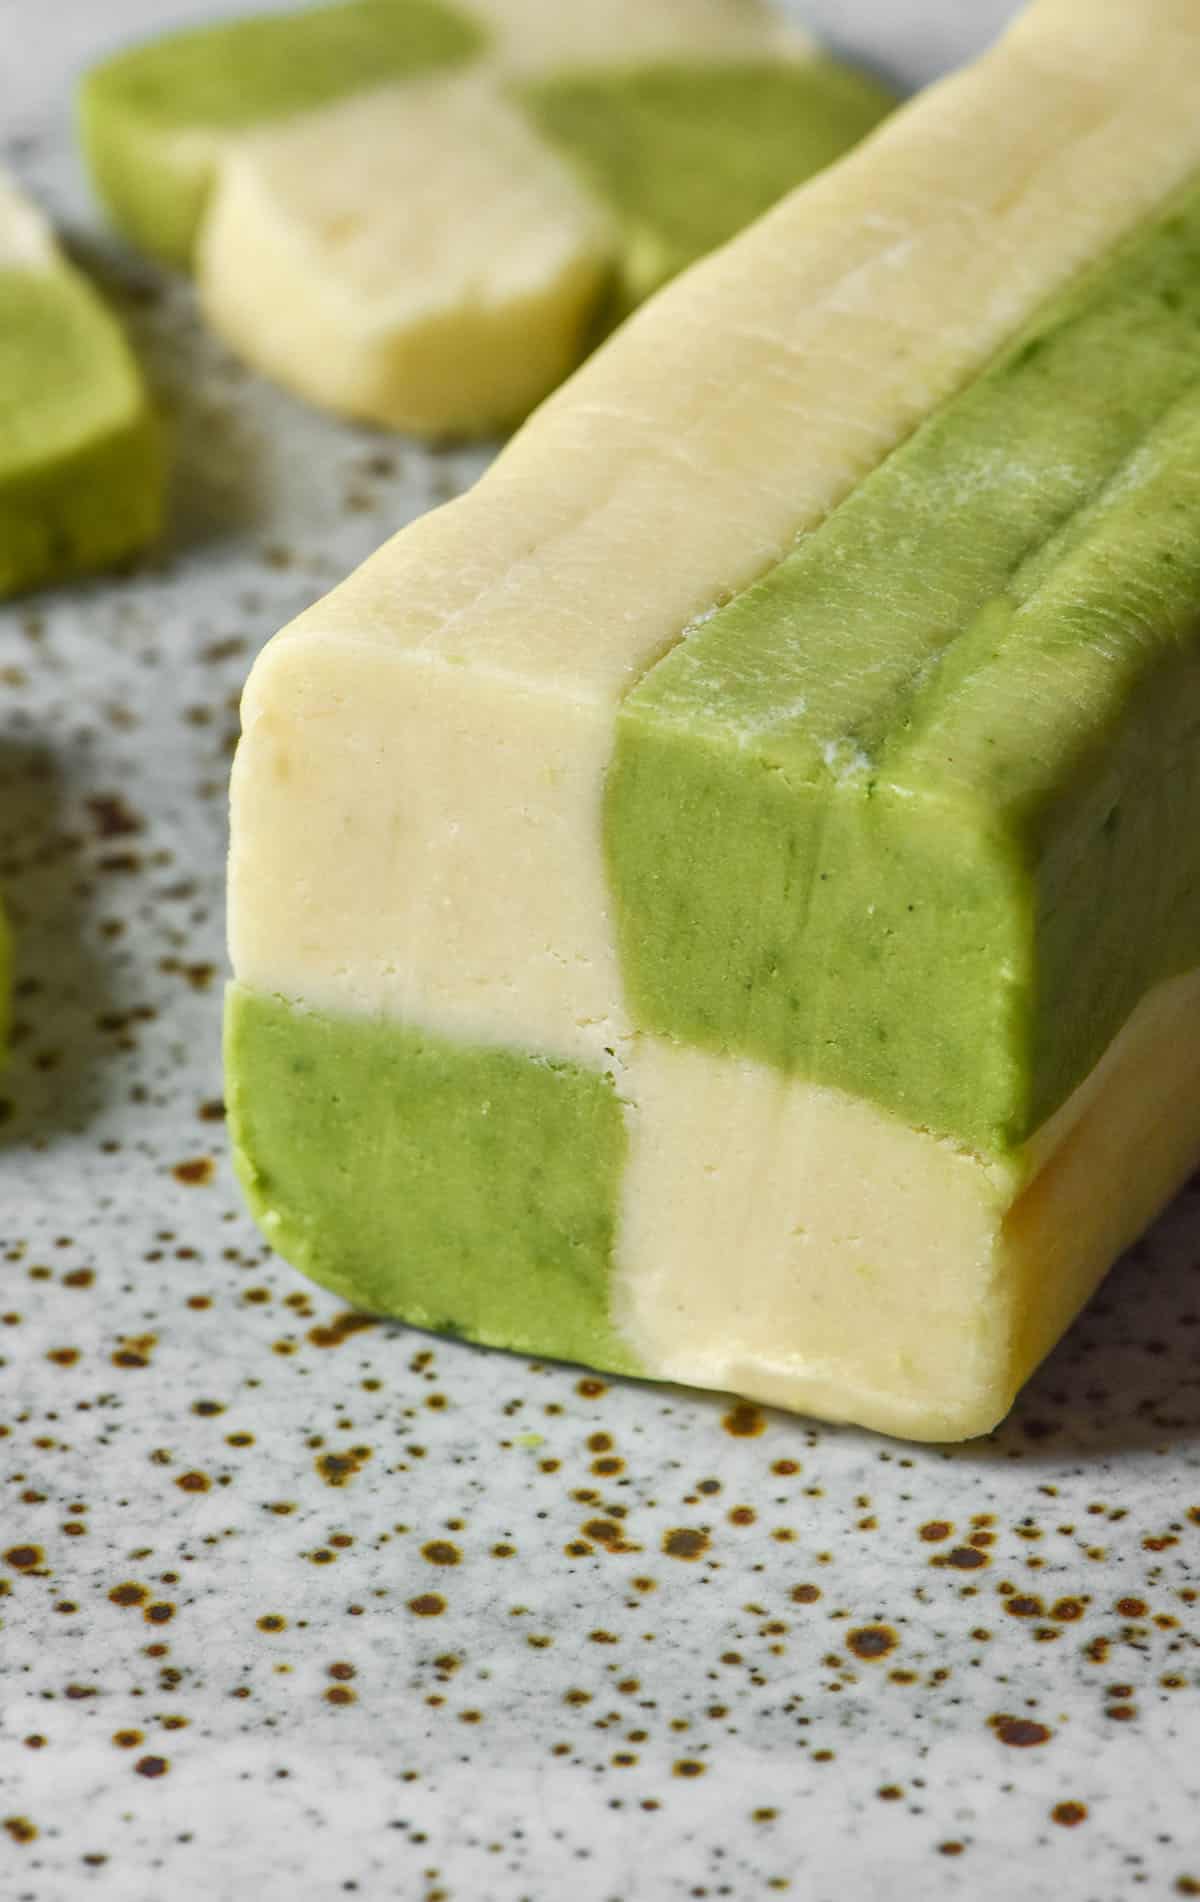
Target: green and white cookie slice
425,214
159,120
579,1004
80,464
429,293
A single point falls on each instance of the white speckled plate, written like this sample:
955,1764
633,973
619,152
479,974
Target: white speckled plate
292,1610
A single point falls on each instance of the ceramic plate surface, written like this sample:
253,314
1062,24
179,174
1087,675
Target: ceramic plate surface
297,1609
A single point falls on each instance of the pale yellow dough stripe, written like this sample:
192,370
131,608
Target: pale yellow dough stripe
798,1246
504,257
26,240
417,800
536,37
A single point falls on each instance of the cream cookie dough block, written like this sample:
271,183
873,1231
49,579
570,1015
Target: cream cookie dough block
460,872
792,1244
80,464
505,258
424,214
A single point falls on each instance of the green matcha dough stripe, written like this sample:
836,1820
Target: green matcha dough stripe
861,822
65,367
1072,716
151,118
81,462
687,155
832,645
246,72
465,1189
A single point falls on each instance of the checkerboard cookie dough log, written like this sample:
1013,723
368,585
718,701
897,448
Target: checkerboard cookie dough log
422,212
80,467
715,902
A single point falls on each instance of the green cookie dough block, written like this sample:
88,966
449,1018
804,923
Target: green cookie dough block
153,119
425,215
510,1168
947,747
81,468
689,155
